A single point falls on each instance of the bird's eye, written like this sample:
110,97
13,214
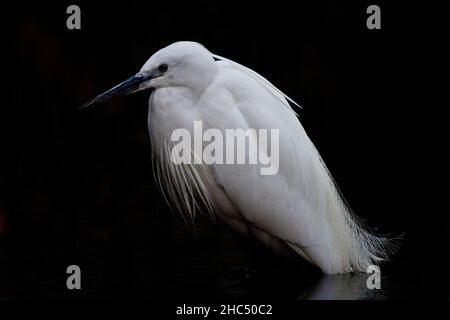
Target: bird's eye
162,68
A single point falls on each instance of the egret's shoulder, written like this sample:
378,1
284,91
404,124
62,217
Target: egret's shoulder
244,88
257,81
234,79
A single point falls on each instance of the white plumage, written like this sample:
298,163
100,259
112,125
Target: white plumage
299,207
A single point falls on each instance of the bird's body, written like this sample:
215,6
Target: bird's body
298,207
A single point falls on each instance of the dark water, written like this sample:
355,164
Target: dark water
157,257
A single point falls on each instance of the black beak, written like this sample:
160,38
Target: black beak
128,86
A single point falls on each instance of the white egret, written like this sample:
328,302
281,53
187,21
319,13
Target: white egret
299,208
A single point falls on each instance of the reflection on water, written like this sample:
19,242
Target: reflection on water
343,287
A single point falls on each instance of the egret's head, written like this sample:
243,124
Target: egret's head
184,63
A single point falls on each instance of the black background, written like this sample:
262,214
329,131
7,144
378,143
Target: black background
77,187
